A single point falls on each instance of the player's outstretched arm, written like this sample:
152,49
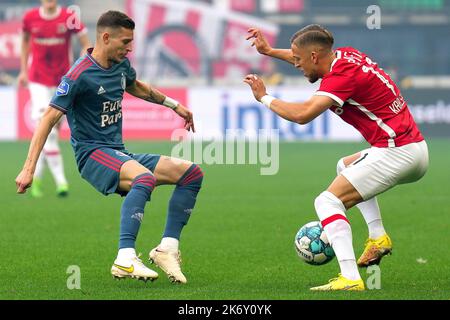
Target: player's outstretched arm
48,121
299,112
263,47
148,93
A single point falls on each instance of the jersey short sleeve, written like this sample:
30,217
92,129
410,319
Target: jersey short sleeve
339,86
26,23
65,94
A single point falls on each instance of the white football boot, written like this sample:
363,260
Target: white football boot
132,268
170,263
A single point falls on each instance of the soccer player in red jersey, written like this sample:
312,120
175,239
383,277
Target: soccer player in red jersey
47,32
363,95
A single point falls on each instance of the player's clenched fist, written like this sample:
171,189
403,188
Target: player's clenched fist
259,41
23,181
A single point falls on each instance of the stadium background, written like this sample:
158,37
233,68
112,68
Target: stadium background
195,51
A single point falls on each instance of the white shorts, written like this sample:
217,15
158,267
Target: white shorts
379,169
40,99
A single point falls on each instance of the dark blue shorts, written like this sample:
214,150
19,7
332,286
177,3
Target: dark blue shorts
102,168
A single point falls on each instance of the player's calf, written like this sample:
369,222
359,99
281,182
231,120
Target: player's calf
166,255
132,212
183,200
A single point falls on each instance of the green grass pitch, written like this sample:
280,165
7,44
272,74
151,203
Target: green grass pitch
239,241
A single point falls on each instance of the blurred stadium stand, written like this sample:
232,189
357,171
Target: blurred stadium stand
196,51
413,43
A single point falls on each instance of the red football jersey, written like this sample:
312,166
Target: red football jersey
50,43
369,100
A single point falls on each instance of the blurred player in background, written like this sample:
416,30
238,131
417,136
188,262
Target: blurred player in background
46,36
362,94
91,95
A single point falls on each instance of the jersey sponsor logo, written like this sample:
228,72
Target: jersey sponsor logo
120,153
50,41
101,90
63,89
111,113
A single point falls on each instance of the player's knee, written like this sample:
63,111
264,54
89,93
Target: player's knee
327,204
324,199
340,166
331,211
145,181
193,177
318,202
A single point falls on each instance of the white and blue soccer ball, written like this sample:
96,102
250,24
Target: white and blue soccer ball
312,244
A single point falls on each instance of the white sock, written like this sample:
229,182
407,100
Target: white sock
40,166
54,158
338,232
169,244
349,269
56,166
371,213
126,254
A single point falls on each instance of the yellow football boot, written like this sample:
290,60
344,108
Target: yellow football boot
374,250
341,283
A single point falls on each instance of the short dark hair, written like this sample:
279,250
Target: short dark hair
114,19
313,34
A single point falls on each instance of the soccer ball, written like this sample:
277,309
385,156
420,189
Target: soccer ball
312,244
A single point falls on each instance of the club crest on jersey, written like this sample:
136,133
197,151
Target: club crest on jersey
63,89
123,82
61,28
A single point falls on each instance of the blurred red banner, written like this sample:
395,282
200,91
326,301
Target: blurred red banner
10,36
141,119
